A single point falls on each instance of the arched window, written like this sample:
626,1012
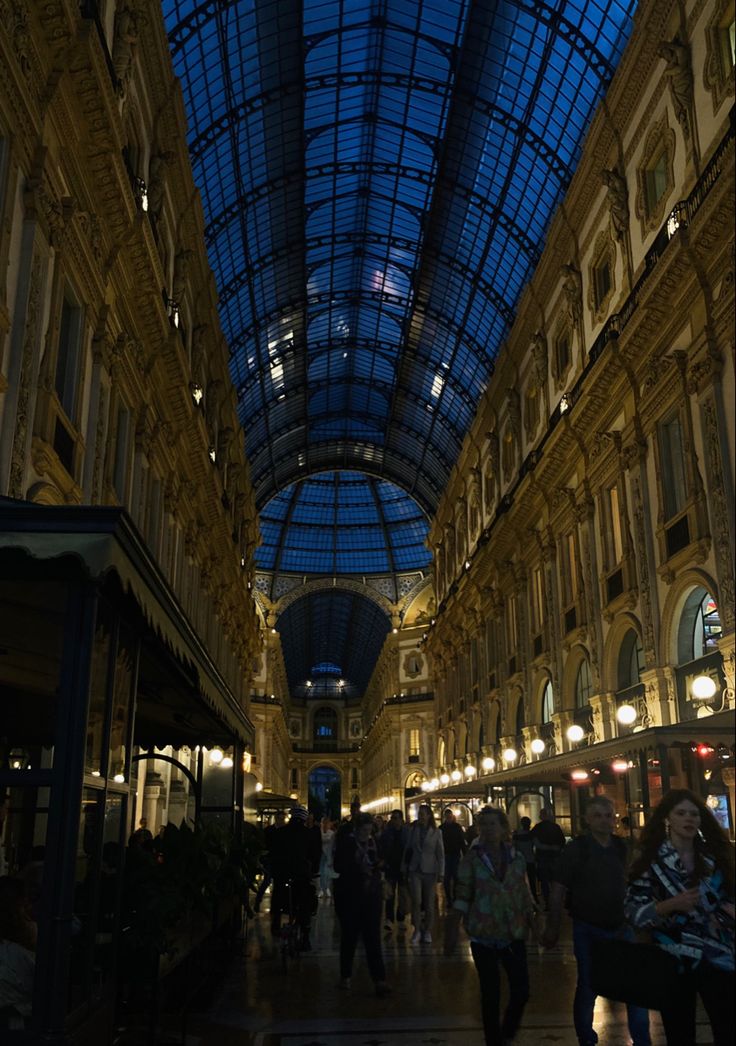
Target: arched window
630,660
325,724
583,685
699,628
520,724
548,703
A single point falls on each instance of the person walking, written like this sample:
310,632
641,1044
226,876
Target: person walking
360,900
425,865
453,840
279,821
496,906
549,841
682,890
294,864
326,866
391,846
524,844
591,872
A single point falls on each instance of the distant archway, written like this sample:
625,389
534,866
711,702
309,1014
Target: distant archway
324,792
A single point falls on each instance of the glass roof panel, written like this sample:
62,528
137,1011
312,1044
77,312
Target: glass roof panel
377,179
342,522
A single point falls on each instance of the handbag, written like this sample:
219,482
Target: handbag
635,973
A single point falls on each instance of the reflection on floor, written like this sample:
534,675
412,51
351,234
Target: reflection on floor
434,1001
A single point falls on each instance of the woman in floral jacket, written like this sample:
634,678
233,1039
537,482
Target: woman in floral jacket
496,906
682,890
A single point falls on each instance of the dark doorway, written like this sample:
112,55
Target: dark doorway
325,792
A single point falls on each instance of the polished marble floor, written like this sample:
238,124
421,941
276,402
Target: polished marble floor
434,1001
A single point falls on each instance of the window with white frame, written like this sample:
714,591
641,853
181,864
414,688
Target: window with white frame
569,569
583,685
672,460
68,356
548,702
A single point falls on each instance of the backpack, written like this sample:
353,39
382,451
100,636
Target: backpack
619,845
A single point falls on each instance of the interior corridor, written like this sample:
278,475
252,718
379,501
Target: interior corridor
434,1000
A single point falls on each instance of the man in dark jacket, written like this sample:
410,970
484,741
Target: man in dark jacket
549,840
359,901
279,821
294,863
591,872
391,845
453,838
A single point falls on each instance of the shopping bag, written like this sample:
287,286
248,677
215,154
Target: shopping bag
635,973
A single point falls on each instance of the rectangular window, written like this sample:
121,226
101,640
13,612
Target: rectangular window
511,629
538,598
68,357
562,352
602,276
674,488
569,569
657,180
615,539
414,742
120,473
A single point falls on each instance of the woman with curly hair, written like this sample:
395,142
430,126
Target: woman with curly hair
682,890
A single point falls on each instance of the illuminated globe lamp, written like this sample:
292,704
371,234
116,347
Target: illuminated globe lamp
425,786
626,715
456,775
619,766
216,756
509,755
434,783
488,764
575,733
537,746
579,775
470,770
703,688
444,779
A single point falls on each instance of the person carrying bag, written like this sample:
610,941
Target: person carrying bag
682,891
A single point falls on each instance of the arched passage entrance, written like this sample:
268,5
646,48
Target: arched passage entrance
325,792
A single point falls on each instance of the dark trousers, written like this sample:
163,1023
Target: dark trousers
545,863
361,919
715,988
531,874
296,898
395,897
449,882
488,962
583,934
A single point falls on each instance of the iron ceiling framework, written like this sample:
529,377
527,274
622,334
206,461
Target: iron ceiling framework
378,177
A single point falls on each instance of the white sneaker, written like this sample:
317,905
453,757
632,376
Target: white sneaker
427,937
416,937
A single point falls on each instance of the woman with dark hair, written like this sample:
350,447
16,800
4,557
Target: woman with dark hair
495,903
682,890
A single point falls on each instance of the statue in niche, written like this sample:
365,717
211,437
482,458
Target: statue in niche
618,201
539,356
182,265
127,31
678,71
199,355
572,287
157,165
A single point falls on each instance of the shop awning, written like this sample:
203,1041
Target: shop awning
103,541
716,729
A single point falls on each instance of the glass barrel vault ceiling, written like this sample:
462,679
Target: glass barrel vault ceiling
377,179
342,523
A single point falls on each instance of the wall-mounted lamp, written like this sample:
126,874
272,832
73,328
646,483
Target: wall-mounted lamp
537,746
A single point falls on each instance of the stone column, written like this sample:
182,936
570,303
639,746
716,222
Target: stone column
603,707
660,691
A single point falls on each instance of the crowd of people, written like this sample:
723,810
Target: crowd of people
676,887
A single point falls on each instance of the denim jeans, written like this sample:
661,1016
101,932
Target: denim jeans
584,1004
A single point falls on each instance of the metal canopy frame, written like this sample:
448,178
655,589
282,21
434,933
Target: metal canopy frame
378,177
